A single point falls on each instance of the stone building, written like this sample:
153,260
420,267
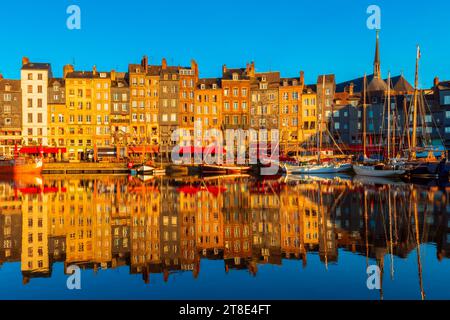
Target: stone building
10,116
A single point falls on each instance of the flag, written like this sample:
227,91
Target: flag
418,53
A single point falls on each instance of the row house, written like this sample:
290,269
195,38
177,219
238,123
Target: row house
208,108
34,82
10,115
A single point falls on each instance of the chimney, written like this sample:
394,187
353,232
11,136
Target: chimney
164,64
436,82
68,68
224,69
194,67
1,76
94,70
252,69
351,88
25,61
144,63
113,75
302,78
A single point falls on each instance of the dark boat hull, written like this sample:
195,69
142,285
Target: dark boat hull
430,170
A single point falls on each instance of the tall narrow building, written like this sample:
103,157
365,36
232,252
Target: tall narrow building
34,82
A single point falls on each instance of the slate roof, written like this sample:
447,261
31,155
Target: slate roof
36,66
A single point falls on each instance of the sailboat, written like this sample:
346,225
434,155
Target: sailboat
390,169
427,167
320,167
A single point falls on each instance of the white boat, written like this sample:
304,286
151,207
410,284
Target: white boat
317,168
377,171
145,170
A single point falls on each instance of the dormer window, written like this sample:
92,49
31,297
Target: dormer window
8,87
285,83
294,83
235,76
263,86
264,78
202,86
102,75
214,86
55,87
174,77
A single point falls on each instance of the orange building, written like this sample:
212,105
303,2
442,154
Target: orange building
208,108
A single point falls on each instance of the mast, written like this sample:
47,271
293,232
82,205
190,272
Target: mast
322,116
419,262
389,116
416,85
364,117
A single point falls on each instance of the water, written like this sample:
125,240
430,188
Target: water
223,238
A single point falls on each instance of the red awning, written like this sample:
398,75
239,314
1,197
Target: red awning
43,150
188,190
143,149
204,150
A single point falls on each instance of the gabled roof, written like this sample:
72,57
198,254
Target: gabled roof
398,83
209,82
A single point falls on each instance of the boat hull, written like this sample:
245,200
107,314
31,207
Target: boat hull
369,171
21,169
223,169
318,169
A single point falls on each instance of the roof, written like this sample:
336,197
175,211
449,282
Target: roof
377,84
310,88
290,81
242,72
36,66
329,78
15,84
271,77
444,85
398,83
52,81
87,75
208,82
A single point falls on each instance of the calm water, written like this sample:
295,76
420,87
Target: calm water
222,238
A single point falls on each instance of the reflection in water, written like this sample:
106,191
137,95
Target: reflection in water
168,225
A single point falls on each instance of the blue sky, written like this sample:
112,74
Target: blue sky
285,35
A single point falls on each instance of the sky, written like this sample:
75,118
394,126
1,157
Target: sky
285,35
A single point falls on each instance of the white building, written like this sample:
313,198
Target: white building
34,82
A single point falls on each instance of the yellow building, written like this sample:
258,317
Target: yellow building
308,116
289,106
35,257
57,113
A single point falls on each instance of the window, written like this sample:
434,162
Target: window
447,129
8,121
336,125
7,109
30,89
244,92
235,92
39,103
39,89
244,105
7,97
336,114
39,118
447,99
30,118
173,117
39,76
30,76
428,118
226,92
164,117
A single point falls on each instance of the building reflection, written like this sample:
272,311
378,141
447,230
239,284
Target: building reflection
164,226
